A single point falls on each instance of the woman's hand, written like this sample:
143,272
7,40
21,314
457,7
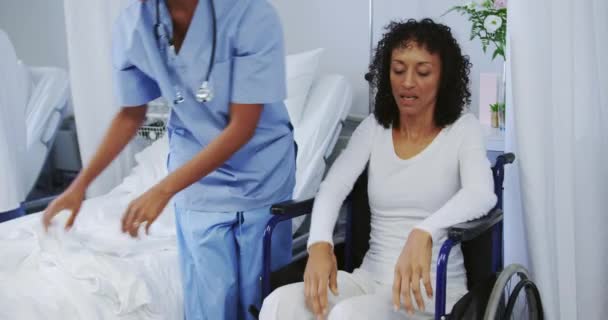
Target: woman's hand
414,264
71,199
321,272
145,209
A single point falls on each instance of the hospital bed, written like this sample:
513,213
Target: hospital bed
96,272
33,102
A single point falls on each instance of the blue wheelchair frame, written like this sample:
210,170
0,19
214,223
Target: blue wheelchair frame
456,234
12,214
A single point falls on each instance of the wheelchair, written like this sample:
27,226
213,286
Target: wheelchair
494,292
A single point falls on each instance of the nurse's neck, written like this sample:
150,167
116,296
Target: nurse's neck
181,12
182,4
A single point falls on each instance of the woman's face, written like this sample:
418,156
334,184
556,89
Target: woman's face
414,74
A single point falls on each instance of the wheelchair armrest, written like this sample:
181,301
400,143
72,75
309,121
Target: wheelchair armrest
505,158
38,204
470,230
293,208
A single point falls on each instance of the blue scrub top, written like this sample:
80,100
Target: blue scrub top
249,68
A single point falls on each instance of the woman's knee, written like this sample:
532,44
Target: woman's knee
361,307
284,303
343,310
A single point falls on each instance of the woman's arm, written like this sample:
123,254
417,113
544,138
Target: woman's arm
476,196
339,182
321,267
474,199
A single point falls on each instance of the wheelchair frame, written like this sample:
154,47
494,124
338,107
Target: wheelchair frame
456,234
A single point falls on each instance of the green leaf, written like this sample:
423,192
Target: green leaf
495,54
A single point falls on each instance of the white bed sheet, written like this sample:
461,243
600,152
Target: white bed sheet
92,272
96,272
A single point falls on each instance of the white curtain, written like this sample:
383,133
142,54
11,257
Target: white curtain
514,234
13,100
559,130
89,28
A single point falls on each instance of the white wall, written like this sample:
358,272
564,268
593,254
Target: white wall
37,30
315,23
310,24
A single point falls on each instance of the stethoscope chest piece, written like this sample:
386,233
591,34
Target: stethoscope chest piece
204,93
179,98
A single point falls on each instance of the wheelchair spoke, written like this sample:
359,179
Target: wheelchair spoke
522,306
514,297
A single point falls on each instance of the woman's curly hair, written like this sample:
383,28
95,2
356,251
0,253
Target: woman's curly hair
453,93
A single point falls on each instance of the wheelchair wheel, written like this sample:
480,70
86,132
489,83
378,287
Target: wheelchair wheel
514,296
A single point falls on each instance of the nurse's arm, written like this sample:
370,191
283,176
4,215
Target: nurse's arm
241,127
122,129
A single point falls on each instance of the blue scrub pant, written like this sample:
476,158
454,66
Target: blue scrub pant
221,260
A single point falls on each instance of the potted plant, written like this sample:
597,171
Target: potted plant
489,24
498,115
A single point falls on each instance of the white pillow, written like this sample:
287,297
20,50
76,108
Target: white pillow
301,70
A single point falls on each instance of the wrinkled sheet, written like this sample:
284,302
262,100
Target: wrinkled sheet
93,271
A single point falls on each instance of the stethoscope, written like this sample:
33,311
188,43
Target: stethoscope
204,92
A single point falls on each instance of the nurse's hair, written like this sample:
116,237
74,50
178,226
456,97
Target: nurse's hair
453,93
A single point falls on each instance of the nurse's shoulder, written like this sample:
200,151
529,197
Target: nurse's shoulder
256,12
128,21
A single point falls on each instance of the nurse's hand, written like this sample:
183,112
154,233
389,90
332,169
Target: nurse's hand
321,272
71,199
414,264
145,209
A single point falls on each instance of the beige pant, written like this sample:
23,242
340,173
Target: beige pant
360,297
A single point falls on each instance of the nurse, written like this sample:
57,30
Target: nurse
220,65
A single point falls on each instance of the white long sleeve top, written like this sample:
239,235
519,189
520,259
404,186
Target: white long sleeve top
449,182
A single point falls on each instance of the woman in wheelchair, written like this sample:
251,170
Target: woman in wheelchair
427,170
